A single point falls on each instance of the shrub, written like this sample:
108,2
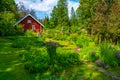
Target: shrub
19,30
90,52
106,54
50,58
37,60
19,43
68,58
51,50
27,42
117,56
93,56
82,40
30,33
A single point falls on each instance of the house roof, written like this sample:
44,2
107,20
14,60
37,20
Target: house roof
26,17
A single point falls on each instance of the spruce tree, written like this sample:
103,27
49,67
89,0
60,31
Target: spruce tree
73,21
53,18
59,15
85,12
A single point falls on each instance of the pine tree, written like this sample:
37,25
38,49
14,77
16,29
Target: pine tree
73,17
73,21
59,15
85,12
53,18
46,22
106,21
62,12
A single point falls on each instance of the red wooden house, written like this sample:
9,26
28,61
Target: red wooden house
30,23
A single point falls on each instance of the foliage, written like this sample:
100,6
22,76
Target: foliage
49,58
83,40
19,30
8,6
30,33
54,34
93,56
73,21
90,52
53,18
105,22
60,59
36,60
26,42
85,12
51,50
67,58
107,55
6,23
59,15
117,56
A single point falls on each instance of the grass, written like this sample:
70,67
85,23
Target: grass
75,72
12,68
115,70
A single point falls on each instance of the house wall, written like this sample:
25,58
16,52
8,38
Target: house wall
38,27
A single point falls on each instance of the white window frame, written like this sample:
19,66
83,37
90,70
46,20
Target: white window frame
33,27
29,21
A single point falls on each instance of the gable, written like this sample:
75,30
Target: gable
29,16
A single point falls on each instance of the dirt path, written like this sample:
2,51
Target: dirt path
116,77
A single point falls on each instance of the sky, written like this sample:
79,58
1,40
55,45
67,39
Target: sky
44,7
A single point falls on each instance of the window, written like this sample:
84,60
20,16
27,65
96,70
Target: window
33,27
28,21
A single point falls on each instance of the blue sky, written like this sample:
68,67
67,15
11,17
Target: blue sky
44,7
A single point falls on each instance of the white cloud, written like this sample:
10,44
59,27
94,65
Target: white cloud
46,5
73,4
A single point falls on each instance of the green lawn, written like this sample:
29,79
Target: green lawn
12,68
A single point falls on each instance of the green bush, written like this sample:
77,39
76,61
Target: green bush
89,53
107,55
82,40
67,57
49,58
20,43
37,60
117,56
27,42
30,33
93,56
19,30
64,59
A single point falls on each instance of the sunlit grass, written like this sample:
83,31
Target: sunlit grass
12,68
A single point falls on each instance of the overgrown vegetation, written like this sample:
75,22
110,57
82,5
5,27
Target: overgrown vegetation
91,34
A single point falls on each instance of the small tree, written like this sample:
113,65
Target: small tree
6,23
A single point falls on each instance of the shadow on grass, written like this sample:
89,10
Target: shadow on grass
11,67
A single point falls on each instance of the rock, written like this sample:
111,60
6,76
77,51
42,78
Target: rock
117,54
55,44
101,64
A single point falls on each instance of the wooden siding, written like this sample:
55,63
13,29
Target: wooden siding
26,25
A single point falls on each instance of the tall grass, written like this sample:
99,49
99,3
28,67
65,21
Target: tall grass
107,55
